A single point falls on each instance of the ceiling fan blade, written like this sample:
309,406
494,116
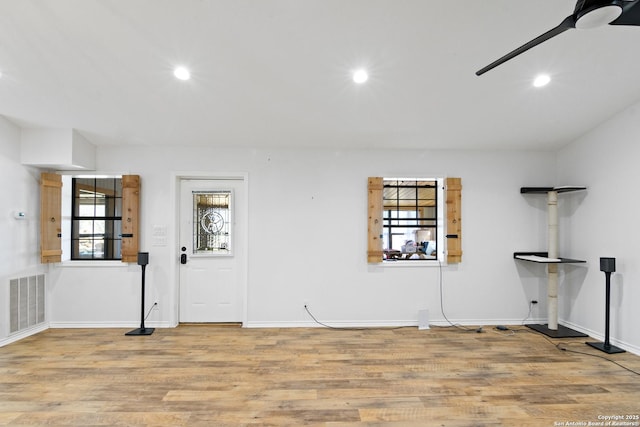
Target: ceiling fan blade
568,23
630,14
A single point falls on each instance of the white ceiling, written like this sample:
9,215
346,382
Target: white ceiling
276,73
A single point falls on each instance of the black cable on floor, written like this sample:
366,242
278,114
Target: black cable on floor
349,328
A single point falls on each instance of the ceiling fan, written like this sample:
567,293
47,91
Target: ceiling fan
587,14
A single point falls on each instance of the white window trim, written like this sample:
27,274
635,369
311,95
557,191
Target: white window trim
441,228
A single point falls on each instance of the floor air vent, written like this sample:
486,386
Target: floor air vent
27,303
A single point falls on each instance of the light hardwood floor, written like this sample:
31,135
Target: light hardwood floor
215,376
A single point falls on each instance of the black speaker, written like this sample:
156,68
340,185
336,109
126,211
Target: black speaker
143,258
608,265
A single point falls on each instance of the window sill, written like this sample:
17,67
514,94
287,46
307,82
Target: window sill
413,263
75,264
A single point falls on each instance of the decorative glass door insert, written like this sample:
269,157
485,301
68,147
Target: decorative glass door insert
212,223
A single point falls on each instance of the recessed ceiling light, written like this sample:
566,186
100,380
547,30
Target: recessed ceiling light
360,76
541,80
182,73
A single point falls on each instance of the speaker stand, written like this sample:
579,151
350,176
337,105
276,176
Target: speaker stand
606,345
141,330
609,349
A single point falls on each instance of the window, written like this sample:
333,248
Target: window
410,219
212,222
96,221
88,218
414,220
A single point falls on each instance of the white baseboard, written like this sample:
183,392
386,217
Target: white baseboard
385,324
24,334
102,325
340,324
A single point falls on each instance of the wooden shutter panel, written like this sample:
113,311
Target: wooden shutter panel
50,218
130,217
454,220
374,245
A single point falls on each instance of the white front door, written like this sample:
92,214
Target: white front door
212,253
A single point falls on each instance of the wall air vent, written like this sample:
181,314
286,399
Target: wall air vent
26,302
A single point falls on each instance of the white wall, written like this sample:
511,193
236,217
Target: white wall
19,250
604,223
321,208
307,239
64,149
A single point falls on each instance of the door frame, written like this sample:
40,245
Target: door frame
176,179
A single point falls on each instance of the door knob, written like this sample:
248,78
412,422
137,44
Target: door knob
183,259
